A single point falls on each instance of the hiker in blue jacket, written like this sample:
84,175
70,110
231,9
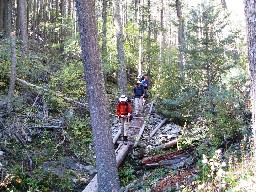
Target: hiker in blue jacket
138,93
145,84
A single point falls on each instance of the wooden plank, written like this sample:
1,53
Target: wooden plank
143,126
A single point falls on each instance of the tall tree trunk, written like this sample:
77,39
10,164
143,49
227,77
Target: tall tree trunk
63,23
23,26
140,60
122,76
74,18
69,8
45,19
180,39
7,17
149,40
17,19
224,4
105,157
69,13
34,20
135,10
104,35
208,68
161,38
13,73
250,15
56,21
1,16
28,11
39,15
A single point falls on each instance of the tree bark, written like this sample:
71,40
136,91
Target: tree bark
122,76
23,26
141,20
45,19
107,176
250,15
13,73
224,4
17,21
63,23
7,17
104,35
149,40
39,15
1,16
34,21
161,38
56,33
135,10
122,153
180,38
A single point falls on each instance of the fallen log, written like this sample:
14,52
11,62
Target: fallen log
158,127
122,152
46,127
143,126
92,186
160,157
136,127
166,145
116,136
173,180
70,100
174,160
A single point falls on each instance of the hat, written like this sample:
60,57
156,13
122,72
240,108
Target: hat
138,82
123,98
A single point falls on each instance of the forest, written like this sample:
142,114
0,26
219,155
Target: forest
65,63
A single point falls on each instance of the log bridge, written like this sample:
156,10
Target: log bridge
136,129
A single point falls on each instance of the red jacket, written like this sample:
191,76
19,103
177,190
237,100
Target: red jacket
123,108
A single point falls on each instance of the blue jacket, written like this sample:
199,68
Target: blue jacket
145,83
138,91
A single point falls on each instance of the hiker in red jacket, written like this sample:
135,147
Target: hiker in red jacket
124,110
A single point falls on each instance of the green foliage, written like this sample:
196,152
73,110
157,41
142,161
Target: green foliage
221,127
126,174
213,173
72,48
70,80
180,107
42,181
79,129
208,54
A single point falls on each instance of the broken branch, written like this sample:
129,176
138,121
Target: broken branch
158,127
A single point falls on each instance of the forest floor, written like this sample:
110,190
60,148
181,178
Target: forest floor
151,167
41,152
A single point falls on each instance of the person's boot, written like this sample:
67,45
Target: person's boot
125,140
